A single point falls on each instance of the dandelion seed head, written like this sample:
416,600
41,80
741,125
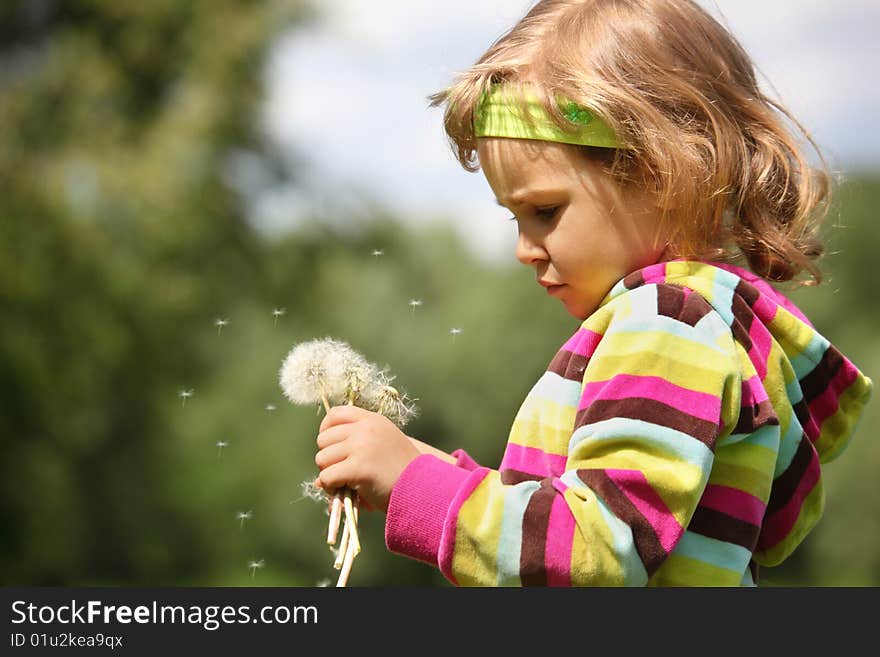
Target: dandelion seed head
244,515
185,394
455,331
325,366
415,302
396,406
270,407
221,444
278,312
303,376
221,322
312,492
378,252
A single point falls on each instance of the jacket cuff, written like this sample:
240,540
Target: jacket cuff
464,460
418,507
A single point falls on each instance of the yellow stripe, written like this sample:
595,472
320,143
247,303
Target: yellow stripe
593,561
679,570
637,343
811,511
747,455
752,481
676,482
707,379
477,533
531,432
842,423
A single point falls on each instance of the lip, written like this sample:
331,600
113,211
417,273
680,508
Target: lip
551,287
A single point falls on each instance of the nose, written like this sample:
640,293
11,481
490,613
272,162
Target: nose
528,250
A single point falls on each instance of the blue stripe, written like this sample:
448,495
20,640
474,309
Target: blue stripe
806,361
623,547
712,551
558,389
675,443
516,499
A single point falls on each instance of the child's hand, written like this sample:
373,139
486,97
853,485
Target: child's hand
364,451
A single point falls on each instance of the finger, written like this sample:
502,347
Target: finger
333,435
342,415
332,454
338,475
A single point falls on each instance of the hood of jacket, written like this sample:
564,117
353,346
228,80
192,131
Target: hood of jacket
824,393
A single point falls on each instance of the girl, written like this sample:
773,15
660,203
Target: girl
676,438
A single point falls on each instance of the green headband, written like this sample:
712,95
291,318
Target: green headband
499,114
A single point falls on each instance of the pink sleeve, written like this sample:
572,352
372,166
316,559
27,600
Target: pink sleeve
417,512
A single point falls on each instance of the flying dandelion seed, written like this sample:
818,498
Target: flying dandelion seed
220,445
454,332
220,323
242,516
278,312
323,583
254,565
185,394
415,303
378,252
270,407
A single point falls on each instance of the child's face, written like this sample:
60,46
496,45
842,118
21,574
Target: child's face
577,228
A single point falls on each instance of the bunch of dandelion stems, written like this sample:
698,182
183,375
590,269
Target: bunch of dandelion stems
349,544
389,400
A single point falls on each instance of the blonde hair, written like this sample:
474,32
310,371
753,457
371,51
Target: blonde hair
682,97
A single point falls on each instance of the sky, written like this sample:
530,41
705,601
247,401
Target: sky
347,100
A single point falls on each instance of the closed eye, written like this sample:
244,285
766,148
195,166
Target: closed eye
548,212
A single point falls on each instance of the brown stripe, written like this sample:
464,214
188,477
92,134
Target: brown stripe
743,312
752,418
742,322
816,382
801,412
670,300
753,566
695,308
648,410
568,365
786,484
720,526
647,544
512,477
634,280
747,291
535,521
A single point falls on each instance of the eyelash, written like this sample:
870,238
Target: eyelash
546,213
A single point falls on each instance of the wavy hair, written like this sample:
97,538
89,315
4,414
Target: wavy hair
682,96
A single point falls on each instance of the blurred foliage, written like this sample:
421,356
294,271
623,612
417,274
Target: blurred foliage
124,236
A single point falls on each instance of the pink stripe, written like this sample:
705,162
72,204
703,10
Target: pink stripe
583,342
447,545
633,484
735,503
778,526
532,460
655,273
557,549
765,309
753,392
826,404
766,290
624,386
760,351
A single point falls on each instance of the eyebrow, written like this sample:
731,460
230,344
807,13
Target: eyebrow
519,195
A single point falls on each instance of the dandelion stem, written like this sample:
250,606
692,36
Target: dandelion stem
350,553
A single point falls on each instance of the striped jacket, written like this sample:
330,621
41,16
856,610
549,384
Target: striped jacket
675,439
